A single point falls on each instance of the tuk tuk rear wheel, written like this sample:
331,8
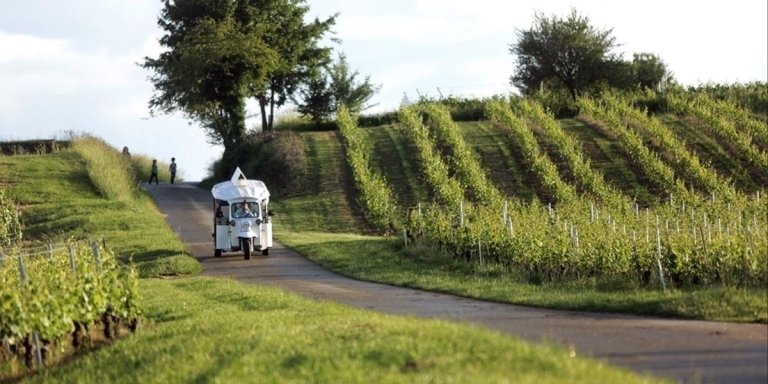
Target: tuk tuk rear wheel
265,251
217,253
245,244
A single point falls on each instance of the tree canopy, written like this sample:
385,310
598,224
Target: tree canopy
572,55
567,52
337,86
218,53
299,54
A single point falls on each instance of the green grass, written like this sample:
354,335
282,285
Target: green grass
215,330
200,329
396,158
59,202
383,259
498,157
336,211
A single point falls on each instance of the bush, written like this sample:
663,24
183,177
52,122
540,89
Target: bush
377,119
276,158
10,225
557,102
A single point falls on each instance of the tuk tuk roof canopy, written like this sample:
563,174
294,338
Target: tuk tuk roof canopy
239,187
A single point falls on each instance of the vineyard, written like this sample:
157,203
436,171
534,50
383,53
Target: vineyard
694,226
54,295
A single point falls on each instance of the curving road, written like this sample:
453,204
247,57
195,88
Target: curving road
687,351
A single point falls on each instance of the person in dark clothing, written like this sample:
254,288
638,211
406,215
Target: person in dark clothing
172,168
153,175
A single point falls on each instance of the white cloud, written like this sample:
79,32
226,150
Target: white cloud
22,47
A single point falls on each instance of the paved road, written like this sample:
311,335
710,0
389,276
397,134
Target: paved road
688,351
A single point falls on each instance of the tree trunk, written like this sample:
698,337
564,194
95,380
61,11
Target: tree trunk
263,109
271,108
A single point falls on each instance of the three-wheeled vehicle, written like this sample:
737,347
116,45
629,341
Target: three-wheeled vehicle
241,217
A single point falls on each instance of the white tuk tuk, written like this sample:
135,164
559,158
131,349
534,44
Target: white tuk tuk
241,216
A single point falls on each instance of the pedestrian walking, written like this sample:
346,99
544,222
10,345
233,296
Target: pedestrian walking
153,174
172,168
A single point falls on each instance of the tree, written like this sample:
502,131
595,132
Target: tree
567,53
316,100
299,55
649,71
337,86
219,53
346,90
211,64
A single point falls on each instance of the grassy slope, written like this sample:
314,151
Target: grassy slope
317,208
206,329
215,330
502,163
377,259
59,202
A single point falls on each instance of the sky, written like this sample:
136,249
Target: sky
72,66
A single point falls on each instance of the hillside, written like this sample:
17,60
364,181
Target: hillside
394,156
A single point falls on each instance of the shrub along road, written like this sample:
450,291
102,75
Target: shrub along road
699,351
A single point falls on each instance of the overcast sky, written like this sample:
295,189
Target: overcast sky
71,65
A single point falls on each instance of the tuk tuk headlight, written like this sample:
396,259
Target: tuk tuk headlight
231,223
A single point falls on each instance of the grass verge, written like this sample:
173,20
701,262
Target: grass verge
382,259
205,329
59,202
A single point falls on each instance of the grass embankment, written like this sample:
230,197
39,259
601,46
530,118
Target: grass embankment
69,196
384,259
199,329
206,329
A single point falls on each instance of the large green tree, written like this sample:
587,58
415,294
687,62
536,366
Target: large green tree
297,44
210,65
219,53
564,52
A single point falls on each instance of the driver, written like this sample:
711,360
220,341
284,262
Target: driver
244,210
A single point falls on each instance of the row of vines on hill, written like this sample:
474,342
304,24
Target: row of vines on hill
522,136
727,122
687,241
587,177
57,294
702,177
376,196
651,164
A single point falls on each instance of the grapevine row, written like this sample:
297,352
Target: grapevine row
737,116
546,171
691,246
376,196
467,168
61,293
589,179
447,189
651,164
704,177
742,141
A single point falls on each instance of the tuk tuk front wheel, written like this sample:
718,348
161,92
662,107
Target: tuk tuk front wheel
245,245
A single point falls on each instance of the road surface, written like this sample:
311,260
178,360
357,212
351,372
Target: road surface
687,351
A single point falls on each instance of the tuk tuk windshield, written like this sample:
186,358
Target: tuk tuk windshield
241,210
